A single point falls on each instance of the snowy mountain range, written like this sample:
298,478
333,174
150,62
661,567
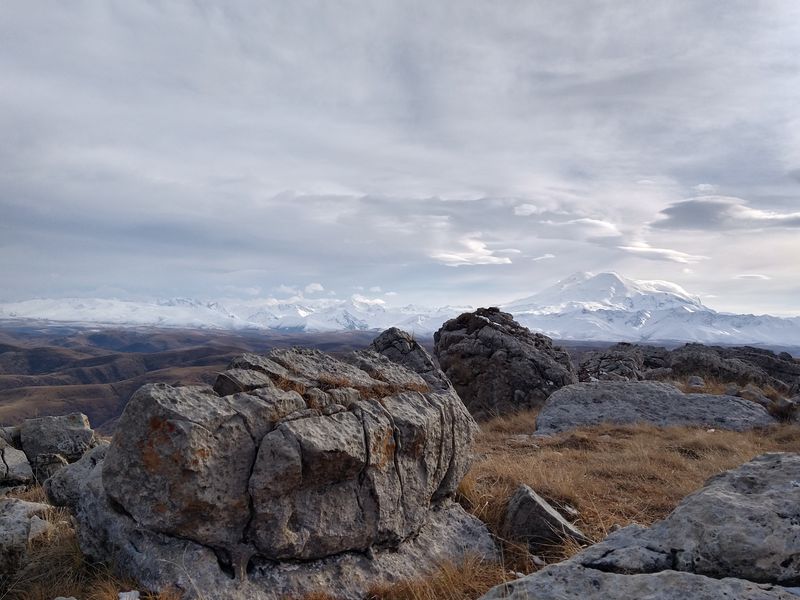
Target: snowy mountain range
601,307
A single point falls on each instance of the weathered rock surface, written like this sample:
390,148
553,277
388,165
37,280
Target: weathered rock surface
64,488
401,348
742,523
532,520
14,466
50,442
661,404
742,365
740,530
16,531
624,362
498,366
345,465
571,581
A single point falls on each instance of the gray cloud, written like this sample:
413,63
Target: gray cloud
156,149
719,213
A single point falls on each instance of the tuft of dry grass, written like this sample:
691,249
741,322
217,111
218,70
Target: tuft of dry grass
710,386
466,581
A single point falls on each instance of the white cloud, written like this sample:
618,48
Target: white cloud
390,294
314,288
474,252
757,276
543,257
644,250
287,289
375,288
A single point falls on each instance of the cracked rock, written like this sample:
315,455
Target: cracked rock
310,467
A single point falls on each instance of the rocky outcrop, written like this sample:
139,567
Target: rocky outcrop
623,362
737,537
52,442
660,404
743,364
530,519
21,523
498,366
296,471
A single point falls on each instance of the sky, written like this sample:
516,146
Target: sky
450,152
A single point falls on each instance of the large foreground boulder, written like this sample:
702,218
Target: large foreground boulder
498,366
296,472
737,537
660,404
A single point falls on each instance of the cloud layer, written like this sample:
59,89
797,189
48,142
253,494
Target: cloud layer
451,152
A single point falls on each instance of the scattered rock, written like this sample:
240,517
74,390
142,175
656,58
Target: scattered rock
754,394
51,442
663,405
737,537
530,519
132,595
14,466
498,366
15,531
696,382
64,487
276,497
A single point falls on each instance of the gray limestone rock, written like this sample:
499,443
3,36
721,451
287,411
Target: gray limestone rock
14,466
497,366
332,467
531,519
16,518
571,581
401,348
64,487
51,442
743,523
661,404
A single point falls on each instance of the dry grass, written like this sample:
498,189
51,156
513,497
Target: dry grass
471,579
55,565
611,474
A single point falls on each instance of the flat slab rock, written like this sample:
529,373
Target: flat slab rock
737,537
570,581
661,404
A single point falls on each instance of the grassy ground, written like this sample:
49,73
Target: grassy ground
612,475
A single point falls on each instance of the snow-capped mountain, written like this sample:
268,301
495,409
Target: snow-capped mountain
602,307
295,314
608,306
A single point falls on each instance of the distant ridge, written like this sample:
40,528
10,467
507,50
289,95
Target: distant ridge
584,306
